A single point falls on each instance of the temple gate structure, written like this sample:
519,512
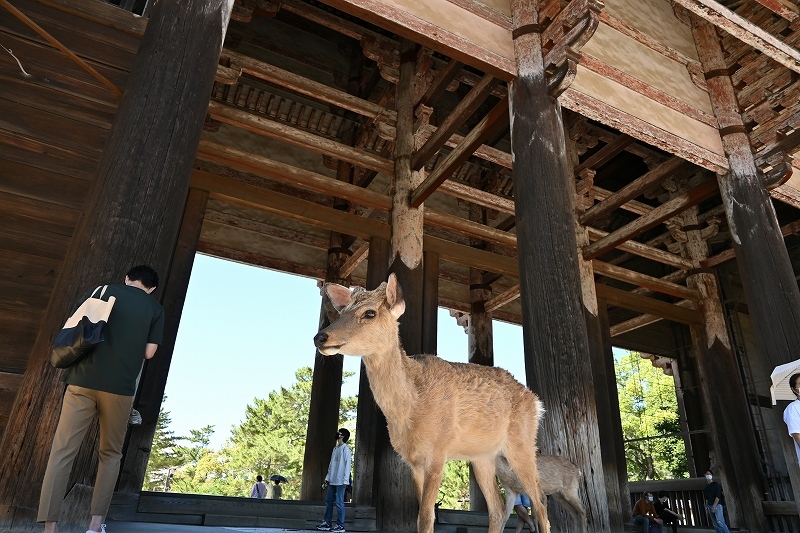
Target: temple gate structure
621,173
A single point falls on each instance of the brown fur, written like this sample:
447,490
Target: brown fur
438,410
558,477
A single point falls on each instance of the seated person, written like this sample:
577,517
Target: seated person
644,513
521,506
665,513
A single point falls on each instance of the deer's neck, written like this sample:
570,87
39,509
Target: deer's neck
392,385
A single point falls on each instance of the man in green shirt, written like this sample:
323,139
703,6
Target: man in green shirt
103,383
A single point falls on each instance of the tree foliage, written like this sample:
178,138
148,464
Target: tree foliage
270,440
648,409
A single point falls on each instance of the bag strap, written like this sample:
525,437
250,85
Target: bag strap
104,287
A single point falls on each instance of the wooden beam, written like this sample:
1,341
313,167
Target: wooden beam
643,250
643,280
606,153
792,228
643,304
312,89
785,9
745,31
250,258
496,119
465,108
226,219
289,134
361,253
269,168
666,210
633,190
471,194
440,82
598,193
469,228
503,298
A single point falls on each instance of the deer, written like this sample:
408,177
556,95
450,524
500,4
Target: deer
558,477
437,410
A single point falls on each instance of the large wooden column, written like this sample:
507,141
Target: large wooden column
154,376
612,446
371,426
326,392
132,216
735,450
557,355
396,503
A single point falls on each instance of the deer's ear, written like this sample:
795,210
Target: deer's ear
340,296
394,297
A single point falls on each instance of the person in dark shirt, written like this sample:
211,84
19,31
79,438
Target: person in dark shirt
667,515
103,384
644,513
715,500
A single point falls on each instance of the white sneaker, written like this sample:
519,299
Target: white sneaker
135,419
102,529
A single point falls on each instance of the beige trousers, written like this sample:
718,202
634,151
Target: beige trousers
79,408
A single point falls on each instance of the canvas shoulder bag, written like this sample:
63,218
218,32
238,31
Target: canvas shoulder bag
83,330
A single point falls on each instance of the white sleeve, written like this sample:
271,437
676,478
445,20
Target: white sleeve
792,417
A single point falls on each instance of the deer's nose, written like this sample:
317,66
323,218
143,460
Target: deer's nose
320,339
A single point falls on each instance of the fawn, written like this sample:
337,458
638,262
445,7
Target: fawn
557,477
437,410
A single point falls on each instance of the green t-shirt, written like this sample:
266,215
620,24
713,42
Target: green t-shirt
114,365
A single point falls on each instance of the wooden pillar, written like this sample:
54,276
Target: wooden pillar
557,355
371,426
154,376
326,392
612,446
766,270
735,451
132,215
480,342
396,502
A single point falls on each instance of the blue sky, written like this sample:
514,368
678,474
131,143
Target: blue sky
246,330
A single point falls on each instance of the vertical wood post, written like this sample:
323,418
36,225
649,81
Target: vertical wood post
735,448
557,356
132,216
396,503
154,376
371,428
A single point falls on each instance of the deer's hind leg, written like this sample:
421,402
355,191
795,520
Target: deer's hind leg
522,458
427,479
484,469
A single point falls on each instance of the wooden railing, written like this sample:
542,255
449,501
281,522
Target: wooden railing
686,497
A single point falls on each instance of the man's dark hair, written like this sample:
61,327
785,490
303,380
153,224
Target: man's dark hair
345,434
709,471
793,380
145,274
259,478
662,494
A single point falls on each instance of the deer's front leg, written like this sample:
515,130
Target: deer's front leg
427,479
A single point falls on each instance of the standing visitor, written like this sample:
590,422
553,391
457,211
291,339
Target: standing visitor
259,489
274,491
103,383
791,415
715,500
336,482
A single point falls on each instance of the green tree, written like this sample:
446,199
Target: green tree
454,490
270,440
649,412
164,456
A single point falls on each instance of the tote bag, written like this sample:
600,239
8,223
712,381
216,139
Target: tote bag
83,330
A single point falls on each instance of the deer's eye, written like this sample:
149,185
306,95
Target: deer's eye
369,313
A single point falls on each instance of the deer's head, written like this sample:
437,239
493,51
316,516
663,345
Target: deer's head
367,319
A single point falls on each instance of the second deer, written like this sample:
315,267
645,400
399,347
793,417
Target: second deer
558,477
437,410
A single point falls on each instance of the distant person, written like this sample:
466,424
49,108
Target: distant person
102,384
667,515
521,506
715,500
791,415
259,489
336,482
644,513
274,491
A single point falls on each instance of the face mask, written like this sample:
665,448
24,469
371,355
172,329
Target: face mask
649,498
709,477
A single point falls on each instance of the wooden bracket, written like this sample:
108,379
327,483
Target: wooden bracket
777,170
